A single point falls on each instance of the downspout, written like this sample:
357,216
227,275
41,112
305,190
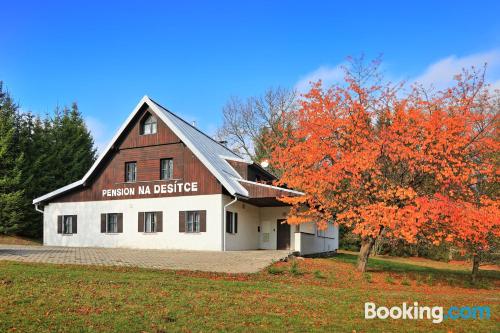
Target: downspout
38,209
224,223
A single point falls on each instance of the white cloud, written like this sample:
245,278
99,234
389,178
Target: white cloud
328,74
440,74
101,134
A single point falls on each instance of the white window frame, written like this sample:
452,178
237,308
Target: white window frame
108,223
193,221
130,172
149,126
67,228
150,222
167,173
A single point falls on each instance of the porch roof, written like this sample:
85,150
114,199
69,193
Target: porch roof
264,195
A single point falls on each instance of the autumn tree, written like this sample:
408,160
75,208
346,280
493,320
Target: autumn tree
464,211
370,159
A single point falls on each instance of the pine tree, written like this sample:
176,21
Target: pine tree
11,162
37,156
34,133
72,146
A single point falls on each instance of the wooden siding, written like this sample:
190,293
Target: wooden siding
240,167
146,151
133,139
265,196
258,191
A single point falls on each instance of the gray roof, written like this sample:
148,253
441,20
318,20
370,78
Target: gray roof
210,152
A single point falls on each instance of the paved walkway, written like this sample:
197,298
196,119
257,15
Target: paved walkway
210,261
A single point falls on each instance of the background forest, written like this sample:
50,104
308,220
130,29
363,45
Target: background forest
37,155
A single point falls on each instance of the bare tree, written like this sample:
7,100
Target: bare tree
249,124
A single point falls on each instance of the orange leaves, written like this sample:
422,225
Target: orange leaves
410,166
468,225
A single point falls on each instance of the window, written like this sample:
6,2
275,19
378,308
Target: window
166,169
149,125
130,171
231,222
112,223
150,222
68,224
193,221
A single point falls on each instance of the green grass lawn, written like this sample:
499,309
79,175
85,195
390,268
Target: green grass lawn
312,295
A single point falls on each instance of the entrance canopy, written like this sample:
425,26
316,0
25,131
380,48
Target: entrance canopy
263,195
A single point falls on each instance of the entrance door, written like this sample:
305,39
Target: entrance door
283,235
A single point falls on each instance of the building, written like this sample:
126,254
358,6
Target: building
163,184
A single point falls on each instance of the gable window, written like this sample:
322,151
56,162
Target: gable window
193,221
148,125
112,223
231,222
150,222
166,168
130,171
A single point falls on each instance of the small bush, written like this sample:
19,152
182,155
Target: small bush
318,275
275,270
294,268
389,279
430,280
368,277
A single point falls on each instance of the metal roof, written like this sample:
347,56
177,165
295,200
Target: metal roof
210,152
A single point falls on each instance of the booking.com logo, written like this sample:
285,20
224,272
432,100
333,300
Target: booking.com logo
435,313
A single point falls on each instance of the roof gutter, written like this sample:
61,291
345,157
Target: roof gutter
38,209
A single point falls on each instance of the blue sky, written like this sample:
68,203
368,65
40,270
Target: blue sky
191,57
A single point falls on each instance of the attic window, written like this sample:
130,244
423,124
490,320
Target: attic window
148,125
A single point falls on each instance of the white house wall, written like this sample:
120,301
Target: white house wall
89,229
247,237
310,240
304,238
268,218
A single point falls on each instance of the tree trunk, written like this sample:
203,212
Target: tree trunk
364,253
475,267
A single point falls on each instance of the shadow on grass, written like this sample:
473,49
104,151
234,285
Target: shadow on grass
424,274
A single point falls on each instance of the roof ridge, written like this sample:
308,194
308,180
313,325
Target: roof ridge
194,127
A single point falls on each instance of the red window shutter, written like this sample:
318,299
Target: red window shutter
120,222
159,221
203,220
182,221
140,222
59,224
103,223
